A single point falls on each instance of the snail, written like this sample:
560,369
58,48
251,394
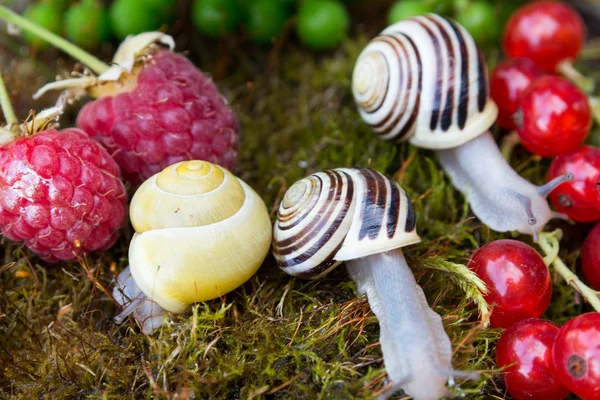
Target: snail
424,80
200,233
363,218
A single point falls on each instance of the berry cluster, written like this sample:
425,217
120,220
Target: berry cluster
89,24
479,17
551,114
540,360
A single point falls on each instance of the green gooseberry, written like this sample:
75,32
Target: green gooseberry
408,8
87,24
216,17
265,20
45,15
480,19
322,24
130,17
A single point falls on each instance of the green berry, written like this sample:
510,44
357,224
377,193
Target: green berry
60,5
266,20
87,24
322,24
443,7
164,8
216,17
480,19
45,15
130,17
408,8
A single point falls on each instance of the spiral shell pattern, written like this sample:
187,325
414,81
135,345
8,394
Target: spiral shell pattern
424,80
200,233
338,215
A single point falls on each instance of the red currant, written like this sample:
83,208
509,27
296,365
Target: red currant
508,81
590,257
555,117
525,353
576,355
579,198
547,32
518,281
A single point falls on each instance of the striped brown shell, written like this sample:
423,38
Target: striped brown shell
423,79
339,215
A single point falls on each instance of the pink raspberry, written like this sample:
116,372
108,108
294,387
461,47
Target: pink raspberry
174,113
60,193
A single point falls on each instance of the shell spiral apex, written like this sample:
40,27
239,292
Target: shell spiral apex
423,79
189,193
339,215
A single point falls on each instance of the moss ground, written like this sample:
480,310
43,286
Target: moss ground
275,337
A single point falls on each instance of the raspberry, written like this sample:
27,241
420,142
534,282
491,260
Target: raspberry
60,193
174,113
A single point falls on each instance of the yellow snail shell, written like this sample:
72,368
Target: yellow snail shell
423,79
200,233
339,215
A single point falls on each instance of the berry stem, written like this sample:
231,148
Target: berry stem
7,108
508,144
566,69
549,244
79,54
595,106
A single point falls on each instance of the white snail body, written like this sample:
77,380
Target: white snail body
200,233
424,80
363,218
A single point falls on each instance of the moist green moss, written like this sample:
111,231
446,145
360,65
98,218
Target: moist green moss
276,337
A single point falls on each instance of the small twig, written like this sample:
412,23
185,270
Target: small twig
7,108
508,144
549,244
566,69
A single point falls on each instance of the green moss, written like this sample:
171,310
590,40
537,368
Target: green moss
276,337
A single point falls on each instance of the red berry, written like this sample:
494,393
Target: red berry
579,198
525,353
518,281
174,113
60,193
508,82
577,355
590,257
547,32
556,117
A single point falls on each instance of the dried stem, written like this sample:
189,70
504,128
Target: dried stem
549,244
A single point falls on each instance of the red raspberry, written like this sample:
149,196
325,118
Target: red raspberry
174,113
57,189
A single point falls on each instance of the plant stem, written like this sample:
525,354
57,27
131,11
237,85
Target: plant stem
567,69
549,244
595,105
7,108
79,54
508,144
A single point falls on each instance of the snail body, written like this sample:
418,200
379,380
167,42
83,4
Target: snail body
425,81
200,233
363,218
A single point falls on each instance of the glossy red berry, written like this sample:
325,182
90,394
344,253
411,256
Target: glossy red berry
524,352
579,198
547,32
590,257
577,355
60,193
508,82
518,281
175,113
554,117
